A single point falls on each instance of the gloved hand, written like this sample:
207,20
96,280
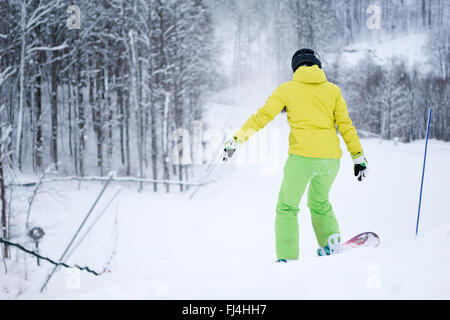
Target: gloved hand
361,166
229,149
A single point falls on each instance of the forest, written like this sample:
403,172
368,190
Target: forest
99,86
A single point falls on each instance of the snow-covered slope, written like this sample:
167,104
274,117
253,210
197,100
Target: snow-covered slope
412,48
220,244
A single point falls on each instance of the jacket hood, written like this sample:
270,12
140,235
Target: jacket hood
311,74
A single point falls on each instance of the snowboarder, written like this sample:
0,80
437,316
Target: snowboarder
314,108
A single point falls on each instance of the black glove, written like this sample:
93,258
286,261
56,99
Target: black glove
229,149
361,166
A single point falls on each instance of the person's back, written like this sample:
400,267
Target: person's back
314,108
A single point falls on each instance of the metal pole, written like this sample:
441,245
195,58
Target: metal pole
423,170
95,222
78,231
37,251
209,170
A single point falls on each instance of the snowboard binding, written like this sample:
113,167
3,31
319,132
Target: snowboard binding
285,260
333,246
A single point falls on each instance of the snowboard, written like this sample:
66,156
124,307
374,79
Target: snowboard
365,239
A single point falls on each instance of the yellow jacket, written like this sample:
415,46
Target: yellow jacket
314,108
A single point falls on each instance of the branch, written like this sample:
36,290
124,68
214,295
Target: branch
60,47
35,192
104,179
6,74
36,15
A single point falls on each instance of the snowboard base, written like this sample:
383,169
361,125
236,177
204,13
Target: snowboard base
365,239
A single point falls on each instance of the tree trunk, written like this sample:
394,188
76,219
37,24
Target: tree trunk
81,118
97,116
21,88
4,220
54,108
38,103
153,122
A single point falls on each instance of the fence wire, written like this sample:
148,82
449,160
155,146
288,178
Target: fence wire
62,264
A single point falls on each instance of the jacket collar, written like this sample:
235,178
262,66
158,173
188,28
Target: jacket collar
311,74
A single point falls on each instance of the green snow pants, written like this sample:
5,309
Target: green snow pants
298,172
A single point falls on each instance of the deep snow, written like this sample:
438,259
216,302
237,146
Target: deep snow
220,244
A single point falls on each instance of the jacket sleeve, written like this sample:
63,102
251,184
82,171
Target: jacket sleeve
273,106
345,126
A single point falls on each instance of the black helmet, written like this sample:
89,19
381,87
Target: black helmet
307,57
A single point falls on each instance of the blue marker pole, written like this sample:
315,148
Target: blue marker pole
423,169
